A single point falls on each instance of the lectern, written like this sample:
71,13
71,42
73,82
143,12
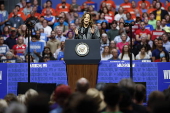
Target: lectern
82,58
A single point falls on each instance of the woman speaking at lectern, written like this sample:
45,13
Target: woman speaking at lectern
87,29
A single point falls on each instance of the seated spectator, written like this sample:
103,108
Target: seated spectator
59,34
158,50
145,44
143,1
35,4
6,32
27,10
39,25
47,29
31,58
63,7
20,47
104,40
125,55
61,94
105,55
166,42
62,24
122,43
23,31
143,8
142,54
101,18
12,21
39,39
120,14
113,32
47,52
104,26
59,51
148,26
48,6
152,20
50,18
140,94
134,49
34,10
53,43
134,10
163,23
3,47
115,54
4,16
70,35
118,38
20,13
46,58
11,41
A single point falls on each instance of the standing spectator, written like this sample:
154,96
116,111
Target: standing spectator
20,47
120,14
108,3
15,21
6,32
143,8
106,54
53,43
113,32
35,4
47,29
59,50
159,13
125,55
121,44
143,1
11,41
3,16
28,8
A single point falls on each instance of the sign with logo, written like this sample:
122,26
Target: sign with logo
163,76
82,49
37,46
3,80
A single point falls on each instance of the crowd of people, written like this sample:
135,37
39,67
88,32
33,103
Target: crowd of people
48,28
124,97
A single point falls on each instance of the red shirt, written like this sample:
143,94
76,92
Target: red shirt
120,45
146,2
140,32
126,6
156,34
53,12
20,14
19,49
109,2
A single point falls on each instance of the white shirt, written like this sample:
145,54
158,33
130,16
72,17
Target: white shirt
106,57
118,39
139,54
44,42
118,16
47,30
126,57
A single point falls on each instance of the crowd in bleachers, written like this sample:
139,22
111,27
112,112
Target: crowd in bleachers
124,97
48,28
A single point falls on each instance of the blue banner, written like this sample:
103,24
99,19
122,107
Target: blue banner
3,80
111,72
51,72
163,76
37,46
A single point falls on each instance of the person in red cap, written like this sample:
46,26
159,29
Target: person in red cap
61,93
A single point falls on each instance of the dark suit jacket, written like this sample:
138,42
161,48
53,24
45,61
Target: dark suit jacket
163,13
96,34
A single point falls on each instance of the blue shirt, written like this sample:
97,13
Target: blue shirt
156,53
129,21
58,23
149,27
10,42
57,110
62,38
100,21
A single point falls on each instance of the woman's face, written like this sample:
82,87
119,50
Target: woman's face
167,18
106,49
104,25
143,50
105,10
121,20
24,27
86,19
35,2
126,48
102,16
20,40
156,42
70,35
